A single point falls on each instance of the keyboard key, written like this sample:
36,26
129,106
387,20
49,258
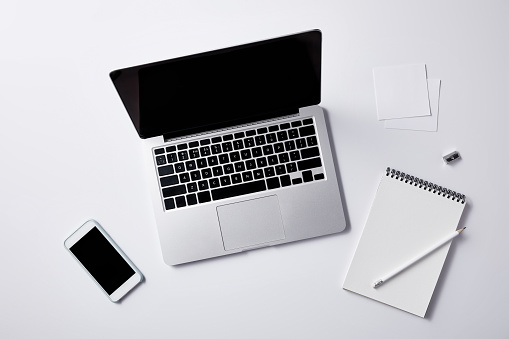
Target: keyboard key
195,175
182,146
227,146
194,153
191,199
273,183
172,157
204,197
236,190
319,176
283,157
310,152
201,163
205,151
160,160
159,151
289,145
216,140
280,169
165,170
258,174
190,165
301,143
234,156
272,160
228,168
267,150
239,166
180,167
238,144
225,180
271,138
291,167
285,180
284,126
194,144
293,133
308,121
180,201
307,130
297,181
223,158
227,137
171,149
247,176
184,177
245,154
312,141
218,171
294,155
282,136
250,164
174,190
214,183
236,178
297,123
239,135
262,130
203,185
212,160
168,181
279,147
269,172
307,176
273,128
250,133
216,149
260,140
261,162
309,163
206,173
205,142
192,187
169,204
257,152
249,142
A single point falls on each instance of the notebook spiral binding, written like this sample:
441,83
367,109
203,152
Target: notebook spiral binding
426,185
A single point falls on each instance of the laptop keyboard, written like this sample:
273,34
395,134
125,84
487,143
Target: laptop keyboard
234,164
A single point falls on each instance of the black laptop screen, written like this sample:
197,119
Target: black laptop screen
223,87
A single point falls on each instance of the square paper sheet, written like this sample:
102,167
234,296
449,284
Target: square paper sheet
401,91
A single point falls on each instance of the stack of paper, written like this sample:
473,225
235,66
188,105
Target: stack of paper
406,98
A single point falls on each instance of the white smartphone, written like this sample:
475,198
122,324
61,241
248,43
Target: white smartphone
104,261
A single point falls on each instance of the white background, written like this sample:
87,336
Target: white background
70,153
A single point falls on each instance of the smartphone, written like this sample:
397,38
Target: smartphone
103,260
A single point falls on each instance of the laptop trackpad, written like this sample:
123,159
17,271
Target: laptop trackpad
251,222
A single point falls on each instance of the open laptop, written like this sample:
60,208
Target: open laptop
237,147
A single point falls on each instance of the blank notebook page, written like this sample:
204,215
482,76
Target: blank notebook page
404,221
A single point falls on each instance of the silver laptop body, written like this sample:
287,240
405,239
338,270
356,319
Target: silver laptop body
242,184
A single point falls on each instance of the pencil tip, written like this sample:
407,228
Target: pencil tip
461,230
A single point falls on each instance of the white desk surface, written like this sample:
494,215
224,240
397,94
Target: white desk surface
70,153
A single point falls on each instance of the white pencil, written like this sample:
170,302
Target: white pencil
417,258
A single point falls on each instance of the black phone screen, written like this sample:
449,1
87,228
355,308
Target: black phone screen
102,260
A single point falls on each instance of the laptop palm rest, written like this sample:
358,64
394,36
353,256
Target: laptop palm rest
250,223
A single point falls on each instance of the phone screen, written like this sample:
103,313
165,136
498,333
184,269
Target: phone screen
102,260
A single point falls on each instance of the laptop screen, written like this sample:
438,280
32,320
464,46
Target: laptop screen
221,88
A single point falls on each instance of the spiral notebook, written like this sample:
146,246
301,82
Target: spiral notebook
407,216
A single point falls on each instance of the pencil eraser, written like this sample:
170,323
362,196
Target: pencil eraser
453,156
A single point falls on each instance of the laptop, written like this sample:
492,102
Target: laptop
237,147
